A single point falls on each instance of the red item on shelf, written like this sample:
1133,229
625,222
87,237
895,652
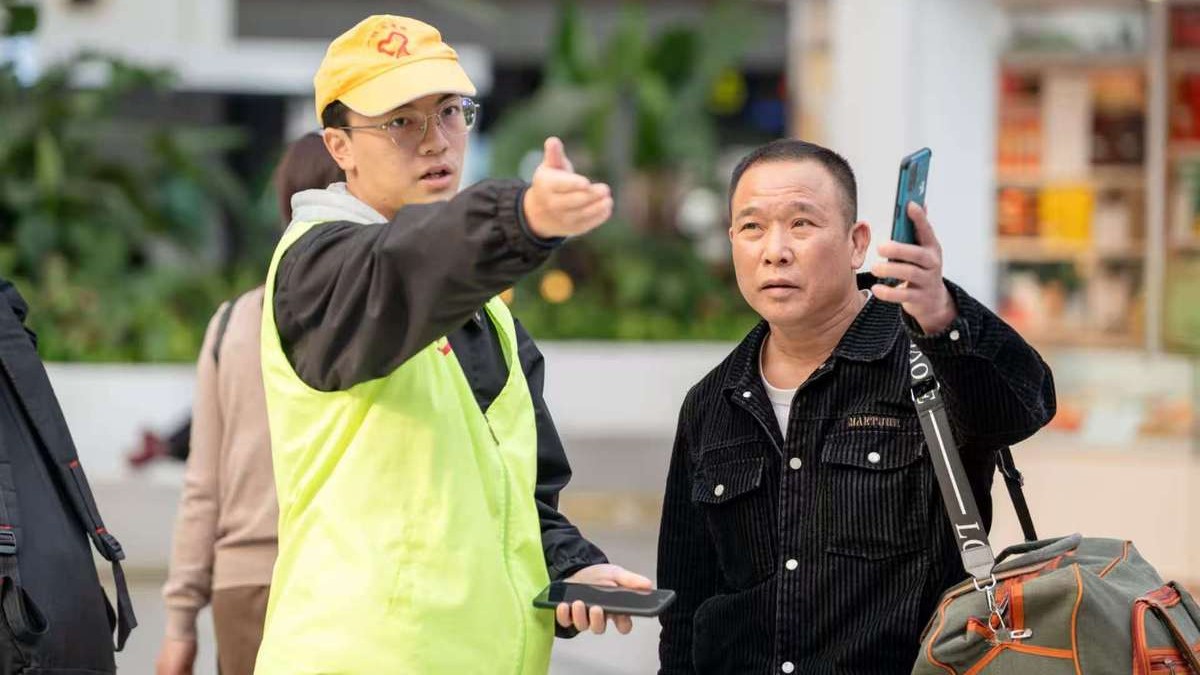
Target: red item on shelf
1016,213
1185,27
1185,110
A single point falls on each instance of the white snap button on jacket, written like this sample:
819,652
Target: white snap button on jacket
873,458
795,463
788,667
792,564
719,490
954,335
745,394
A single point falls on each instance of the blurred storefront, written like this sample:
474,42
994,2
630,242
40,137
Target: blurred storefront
1089,240
1097,247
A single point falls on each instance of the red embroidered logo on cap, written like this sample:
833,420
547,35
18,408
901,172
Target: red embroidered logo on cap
394,42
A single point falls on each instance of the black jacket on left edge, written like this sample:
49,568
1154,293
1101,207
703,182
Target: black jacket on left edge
827,552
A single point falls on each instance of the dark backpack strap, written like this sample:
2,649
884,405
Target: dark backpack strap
33,390
222,325
1016,492
10,573
107,545
23,616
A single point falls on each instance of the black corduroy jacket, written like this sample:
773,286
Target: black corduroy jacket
826,552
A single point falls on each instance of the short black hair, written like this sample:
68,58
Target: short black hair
791,150
335,115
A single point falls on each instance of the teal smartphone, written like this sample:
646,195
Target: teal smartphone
914,174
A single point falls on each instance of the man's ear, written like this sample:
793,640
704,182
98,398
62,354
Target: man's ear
860,241
337,142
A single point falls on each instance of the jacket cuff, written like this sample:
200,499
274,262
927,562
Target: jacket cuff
562,570
181,623
957,339
569,554
543,243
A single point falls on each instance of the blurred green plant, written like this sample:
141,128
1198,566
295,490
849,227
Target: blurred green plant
635,113
107,223
17,18
631,286
639,103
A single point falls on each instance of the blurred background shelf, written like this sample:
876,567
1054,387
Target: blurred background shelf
1029,60
1022,5
1184,150
1075,173
1035,249
1100,177
1183,60
1081,337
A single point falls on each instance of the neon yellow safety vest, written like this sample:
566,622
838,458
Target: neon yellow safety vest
409,539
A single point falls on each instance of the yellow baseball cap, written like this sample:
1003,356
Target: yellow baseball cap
386,61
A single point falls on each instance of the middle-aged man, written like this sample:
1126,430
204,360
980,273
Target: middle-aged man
417,467
802,525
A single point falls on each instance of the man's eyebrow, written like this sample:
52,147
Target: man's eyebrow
800,205
747,211
804,206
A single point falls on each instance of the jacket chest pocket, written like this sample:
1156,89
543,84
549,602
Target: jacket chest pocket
876,492
734,500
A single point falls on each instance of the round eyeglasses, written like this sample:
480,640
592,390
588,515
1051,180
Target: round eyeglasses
455,117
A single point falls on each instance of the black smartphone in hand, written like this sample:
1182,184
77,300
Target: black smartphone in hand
612,599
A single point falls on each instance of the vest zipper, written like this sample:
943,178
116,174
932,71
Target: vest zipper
505,543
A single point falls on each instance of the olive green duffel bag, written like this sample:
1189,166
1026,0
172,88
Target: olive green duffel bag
1072,605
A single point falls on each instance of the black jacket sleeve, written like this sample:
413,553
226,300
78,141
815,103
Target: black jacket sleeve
686,557
566,549
18,306
353,301
998,390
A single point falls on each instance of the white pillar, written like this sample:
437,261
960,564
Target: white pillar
913,73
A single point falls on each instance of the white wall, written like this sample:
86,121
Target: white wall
913,73
597,392
108,405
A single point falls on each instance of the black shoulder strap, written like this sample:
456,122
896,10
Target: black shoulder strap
1016,492
970,534
27,375
222,325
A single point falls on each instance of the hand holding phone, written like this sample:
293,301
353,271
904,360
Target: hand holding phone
612,599
912,274
575,606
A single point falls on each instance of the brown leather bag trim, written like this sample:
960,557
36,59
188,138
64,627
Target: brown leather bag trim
1114,563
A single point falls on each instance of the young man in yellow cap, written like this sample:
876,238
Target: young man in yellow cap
417,467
